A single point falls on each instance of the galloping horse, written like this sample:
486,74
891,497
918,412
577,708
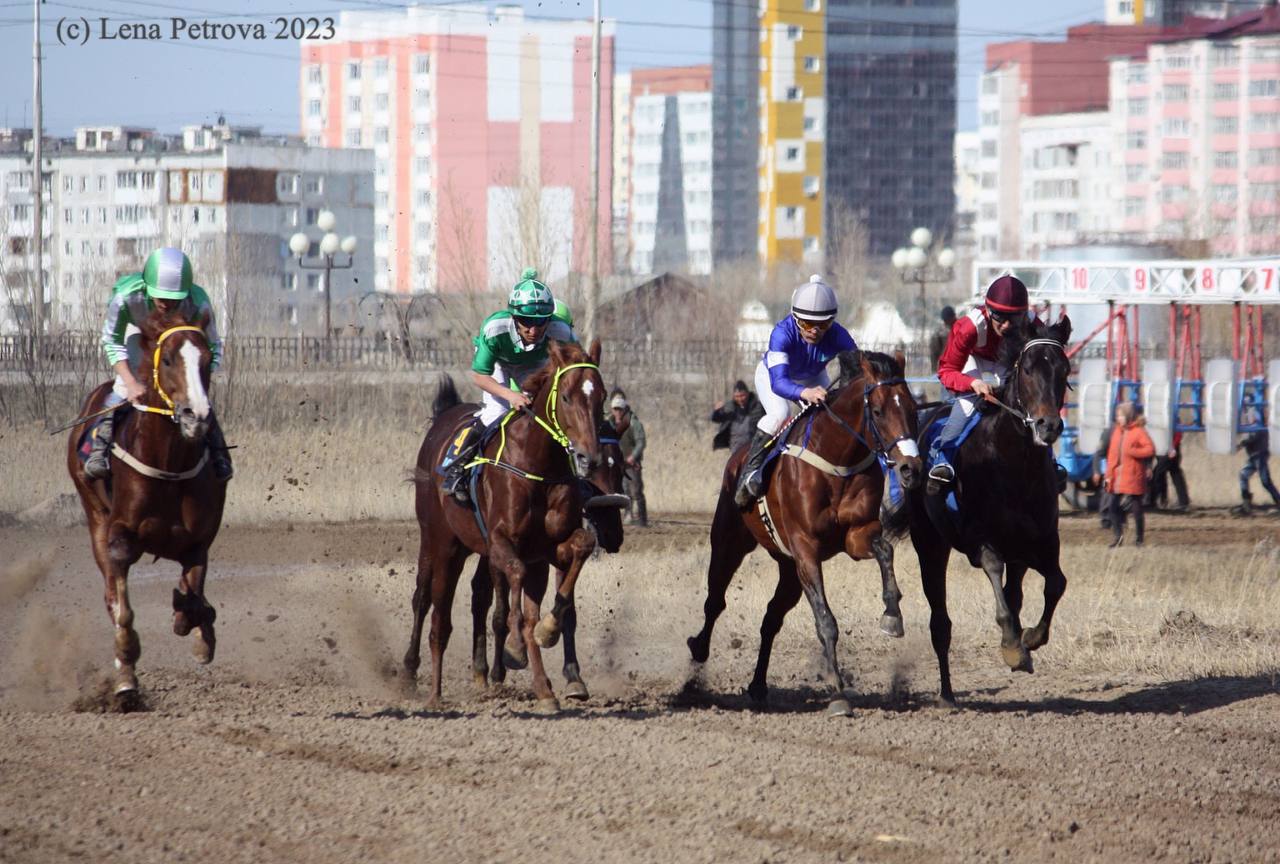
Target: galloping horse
823,501
161,497
528,514
1008,494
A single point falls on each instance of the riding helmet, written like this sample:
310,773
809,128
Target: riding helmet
167,274
1007,294
814,300
530,298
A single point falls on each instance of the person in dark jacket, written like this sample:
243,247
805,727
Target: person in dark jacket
737,420
938,341
631,440
1257,449
1169,467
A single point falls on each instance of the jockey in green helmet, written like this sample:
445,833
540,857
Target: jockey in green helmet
511,346
165,283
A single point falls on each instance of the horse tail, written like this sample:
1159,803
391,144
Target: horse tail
446,395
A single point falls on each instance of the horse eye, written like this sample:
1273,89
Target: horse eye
877,412
167,362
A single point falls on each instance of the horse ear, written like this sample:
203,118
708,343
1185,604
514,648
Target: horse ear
151,328
594,352
1062,330
901,359
867,371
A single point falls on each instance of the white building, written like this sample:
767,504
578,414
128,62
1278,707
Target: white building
231,209
968,185
1065,183
621,169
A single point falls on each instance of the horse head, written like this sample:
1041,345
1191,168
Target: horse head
175,366
888,422
1037,382
573,393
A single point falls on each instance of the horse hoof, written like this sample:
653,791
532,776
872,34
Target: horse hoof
1016,657
514,661
407,682
947,702
546,632
181,626
839,707
126,701
480,679
204,645
698,649
547,707
1032,638
577,691
891,625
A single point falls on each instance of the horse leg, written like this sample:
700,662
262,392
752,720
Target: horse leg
1013,574
443,585
731,542
575,688
810,571
891,620
570,556
502,555
500,623
1011,647
1055,585
933,554
481,600
785,596
191,610
118,553
421,605
535,586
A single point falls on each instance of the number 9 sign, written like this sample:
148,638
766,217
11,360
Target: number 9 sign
1140,281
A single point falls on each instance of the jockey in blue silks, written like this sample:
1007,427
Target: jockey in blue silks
793,370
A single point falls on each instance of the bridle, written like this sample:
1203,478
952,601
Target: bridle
1016,410
905,444
155,372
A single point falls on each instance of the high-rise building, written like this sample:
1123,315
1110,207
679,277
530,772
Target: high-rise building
671,183
621,170
735,87
1172,13
479,119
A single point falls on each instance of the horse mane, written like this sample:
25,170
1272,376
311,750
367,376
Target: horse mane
562,354
882,365
158,322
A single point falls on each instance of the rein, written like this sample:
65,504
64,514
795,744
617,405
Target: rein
880,449
155,373
554,429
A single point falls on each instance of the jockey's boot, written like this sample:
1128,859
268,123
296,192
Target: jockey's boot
98,465
750,479
219,453
941,475
454,464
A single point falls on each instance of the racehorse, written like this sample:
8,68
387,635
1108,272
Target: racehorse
1007,488
161,497
527,514
823,501
602,501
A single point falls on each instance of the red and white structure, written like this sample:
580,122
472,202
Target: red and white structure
479,119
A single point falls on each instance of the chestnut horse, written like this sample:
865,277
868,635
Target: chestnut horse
161,497
1008,493
602,502
527,500
824,498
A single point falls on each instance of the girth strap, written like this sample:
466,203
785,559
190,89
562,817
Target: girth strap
155,473
808,456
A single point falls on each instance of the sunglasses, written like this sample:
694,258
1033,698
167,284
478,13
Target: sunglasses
531,322
812,326
999,317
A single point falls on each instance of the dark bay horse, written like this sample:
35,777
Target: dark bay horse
1008,492
818,508
600,498
528,501
161,497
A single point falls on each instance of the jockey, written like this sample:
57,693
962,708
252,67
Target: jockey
511,346
793,370
971,352
164,284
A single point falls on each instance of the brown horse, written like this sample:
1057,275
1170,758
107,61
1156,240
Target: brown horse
161,497
528,503
823,501
602,502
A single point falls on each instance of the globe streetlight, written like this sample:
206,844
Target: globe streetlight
913,266
330,243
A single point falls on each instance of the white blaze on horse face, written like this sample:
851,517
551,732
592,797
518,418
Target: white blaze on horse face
196,397
588,387
907,447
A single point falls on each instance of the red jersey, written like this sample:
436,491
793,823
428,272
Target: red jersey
971,336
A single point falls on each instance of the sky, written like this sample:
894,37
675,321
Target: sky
166,84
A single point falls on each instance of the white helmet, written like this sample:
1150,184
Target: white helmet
814,300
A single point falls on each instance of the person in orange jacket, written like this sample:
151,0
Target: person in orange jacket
1128,456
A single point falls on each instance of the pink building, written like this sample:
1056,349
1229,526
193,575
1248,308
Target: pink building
1196,124
479,120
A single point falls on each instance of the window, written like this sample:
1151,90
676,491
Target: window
20,212
1137,73
791,213
422,198
1180,126
1226,159
1137,107
793,153
195,215
353,71
313,107
990,85
421,64
313,281
811,185
290,217
314,75
812,5
84,216
287,184
1177,61
1226,125
1228,90
1175,161
794,32
381,200
811,64
102,215
989,148
148,179
422,230
421,97
314,139
68,249
102,182
1269,122
314,185
1133,207
1136,140
381,101
988,180
1225,193
794,94
421,164
353,104
380,67
810,123
1224,55
289,281
421,131
382,231
1133,173
1269,156
67,216
381,135
353,137
1268,88
1176,92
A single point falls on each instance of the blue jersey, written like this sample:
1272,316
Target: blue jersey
791,359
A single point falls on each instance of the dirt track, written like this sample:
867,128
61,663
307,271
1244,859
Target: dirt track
294,745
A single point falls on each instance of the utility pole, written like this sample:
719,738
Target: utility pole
37,187
593,287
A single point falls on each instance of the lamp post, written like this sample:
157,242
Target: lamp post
329,245
913,266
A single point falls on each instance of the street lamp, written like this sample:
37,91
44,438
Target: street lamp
913,266
329,245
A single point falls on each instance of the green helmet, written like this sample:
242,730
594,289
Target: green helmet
167,274
530,298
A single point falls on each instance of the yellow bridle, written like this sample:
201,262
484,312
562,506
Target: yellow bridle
155,370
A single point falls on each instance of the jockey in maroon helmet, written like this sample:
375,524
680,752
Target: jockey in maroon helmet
971,352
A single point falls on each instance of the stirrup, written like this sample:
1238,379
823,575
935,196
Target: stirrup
940,476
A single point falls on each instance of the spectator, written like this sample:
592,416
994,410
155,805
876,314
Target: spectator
1099,465
938,341
1257,448
737,421
630,433
1127,456
1169,467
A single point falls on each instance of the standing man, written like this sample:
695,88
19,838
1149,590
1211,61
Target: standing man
938,341
737,421
630,432
1257,448
1169,467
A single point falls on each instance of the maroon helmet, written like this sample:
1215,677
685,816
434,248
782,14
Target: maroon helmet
1007,295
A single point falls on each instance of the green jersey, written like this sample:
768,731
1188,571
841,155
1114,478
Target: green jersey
499,342
130,305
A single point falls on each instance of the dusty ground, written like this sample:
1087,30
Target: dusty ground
1151,728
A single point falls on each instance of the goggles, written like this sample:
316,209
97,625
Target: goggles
1000,317
531,323
813,326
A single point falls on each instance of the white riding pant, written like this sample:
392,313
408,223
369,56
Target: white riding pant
778,408
492,407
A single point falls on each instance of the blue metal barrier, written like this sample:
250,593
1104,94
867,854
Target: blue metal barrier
1251,405
1188,396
